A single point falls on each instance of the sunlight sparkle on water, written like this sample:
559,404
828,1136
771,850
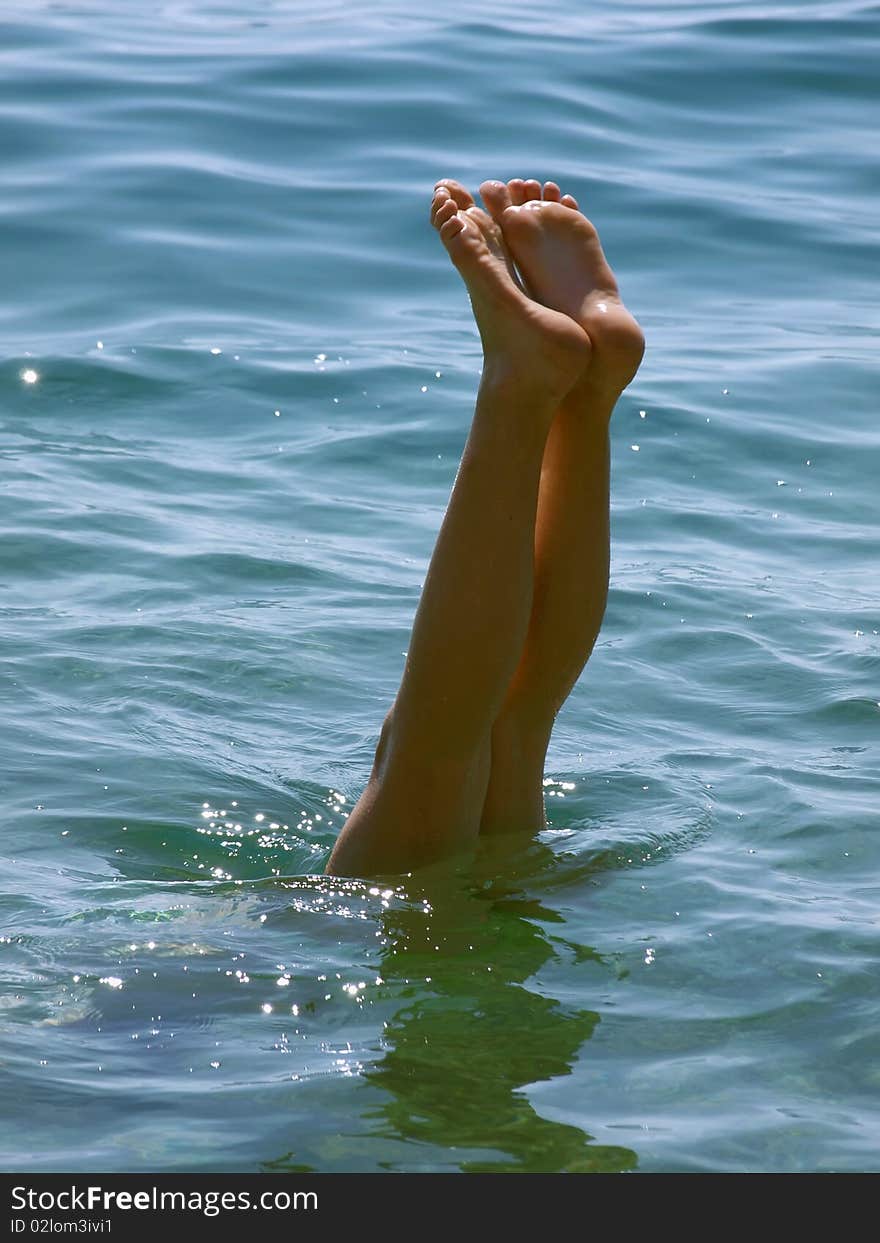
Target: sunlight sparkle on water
30,376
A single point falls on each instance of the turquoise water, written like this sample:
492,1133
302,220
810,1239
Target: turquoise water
253,375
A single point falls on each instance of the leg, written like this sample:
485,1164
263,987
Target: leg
559,257
427,788
571,586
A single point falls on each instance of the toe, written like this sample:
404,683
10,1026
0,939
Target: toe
451,236
496,196
531,190
456,190
552,193
443,210
441,196
452,227
568,200
517,189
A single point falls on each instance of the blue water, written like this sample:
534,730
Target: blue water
237,374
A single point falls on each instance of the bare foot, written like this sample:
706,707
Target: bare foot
521,336
562,265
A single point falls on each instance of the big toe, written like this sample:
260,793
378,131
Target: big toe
462,196
496,196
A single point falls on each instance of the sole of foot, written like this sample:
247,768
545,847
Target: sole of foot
560,260
522,335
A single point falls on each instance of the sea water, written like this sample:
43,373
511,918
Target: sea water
237,372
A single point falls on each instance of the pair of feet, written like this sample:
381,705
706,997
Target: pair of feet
544,297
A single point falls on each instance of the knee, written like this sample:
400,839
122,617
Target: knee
409,752
383,747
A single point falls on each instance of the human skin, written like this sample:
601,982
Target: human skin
518,579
